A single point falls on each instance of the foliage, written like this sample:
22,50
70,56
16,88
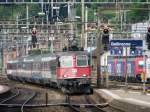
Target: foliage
9,12
138,13
135,13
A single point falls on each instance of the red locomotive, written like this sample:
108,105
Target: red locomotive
69,71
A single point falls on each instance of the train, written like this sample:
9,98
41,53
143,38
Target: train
137,68
70,71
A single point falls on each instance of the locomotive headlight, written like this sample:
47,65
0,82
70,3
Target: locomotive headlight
84,75
65,76
74,71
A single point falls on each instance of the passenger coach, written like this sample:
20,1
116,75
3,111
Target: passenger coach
69,71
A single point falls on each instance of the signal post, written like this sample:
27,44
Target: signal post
102,46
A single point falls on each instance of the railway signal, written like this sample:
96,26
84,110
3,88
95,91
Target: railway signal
34,38
105,38
148,38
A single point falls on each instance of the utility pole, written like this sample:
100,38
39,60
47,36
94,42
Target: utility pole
42,9
27,26
86,20
17,36
82,30
99,51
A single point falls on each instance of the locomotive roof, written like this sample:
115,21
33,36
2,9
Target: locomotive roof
71,53
46,57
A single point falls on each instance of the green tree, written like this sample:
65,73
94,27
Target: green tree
138,12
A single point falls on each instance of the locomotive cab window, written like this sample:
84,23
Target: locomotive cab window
82,60
66,61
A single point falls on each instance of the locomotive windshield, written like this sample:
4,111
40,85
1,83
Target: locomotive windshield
66,61
82,60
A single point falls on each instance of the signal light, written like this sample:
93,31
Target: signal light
105,38
148,36
106,31
34,39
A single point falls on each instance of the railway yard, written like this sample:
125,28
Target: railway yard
36,98
24,97
74,55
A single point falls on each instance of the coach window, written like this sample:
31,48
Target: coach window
9,66
82,60
23,66
34,66
19,65
28,66
46,65
14,66
42,66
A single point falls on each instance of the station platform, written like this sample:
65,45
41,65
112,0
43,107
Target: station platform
4,89
127,101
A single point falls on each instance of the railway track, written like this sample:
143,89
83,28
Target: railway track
15,93
27,97
13,100
30,98
85,104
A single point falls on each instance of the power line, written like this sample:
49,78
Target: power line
76,2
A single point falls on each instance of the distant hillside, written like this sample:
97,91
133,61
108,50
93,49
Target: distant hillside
135,13
9,12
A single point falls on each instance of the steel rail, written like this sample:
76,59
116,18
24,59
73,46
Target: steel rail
74,108
69,104
11,97
51,104
86,106
98,107
30,98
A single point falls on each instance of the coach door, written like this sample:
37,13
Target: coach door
110,69
130,67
